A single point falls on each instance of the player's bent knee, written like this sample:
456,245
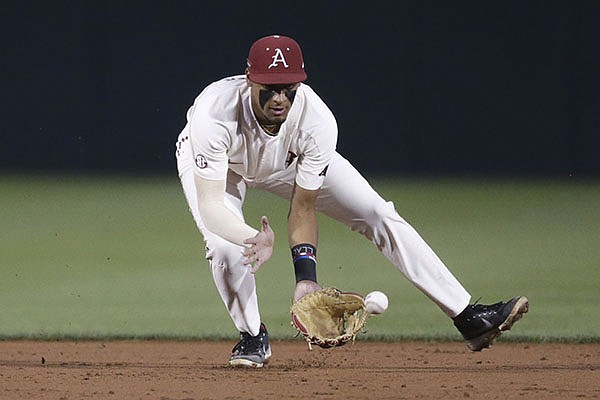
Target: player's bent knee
381,212
225,256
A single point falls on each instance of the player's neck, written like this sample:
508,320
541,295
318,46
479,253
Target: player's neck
270,129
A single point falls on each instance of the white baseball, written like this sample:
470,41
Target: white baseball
376,302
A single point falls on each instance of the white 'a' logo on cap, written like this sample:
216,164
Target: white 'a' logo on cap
278,58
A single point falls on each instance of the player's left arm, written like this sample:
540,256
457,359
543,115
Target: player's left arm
317,143
302,218
303,235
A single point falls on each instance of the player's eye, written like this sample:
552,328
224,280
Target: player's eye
267,92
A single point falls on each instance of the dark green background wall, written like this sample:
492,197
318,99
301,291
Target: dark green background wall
418,87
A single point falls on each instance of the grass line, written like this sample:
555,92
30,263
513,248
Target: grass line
506,338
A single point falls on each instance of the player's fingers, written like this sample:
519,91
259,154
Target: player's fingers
265,223
248,251
259,238
248,254
257,264
251,255
254,268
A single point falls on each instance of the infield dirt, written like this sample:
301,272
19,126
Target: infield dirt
165,370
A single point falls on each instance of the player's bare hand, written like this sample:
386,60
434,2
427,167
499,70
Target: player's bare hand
261,246
305,287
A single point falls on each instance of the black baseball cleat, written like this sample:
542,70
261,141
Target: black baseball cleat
480,324
251,351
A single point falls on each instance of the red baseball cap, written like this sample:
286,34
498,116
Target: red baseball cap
274,60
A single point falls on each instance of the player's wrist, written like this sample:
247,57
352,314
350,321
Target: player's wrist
304,257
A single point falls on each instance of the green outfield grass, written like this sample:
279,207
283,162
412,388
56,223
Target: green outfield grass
120,257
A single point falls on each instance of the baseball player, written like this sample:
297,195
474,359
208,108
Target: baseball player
267,129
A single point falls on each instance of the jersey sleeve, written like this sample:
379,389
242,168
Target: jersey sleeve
210,141
318,141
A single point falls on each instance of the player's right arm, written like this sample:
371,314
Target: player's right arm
221,221
216,217
210,121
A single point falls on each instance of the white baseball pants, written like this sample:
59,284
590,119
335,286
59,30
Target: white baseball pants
345,196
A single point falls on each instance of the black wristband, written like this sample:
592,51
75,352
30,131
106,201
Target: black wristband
305,262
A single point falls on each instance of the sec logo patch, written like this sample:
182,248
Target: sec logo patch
201,161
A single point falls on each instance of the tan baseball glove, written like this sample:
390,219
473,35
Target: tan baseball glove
329,317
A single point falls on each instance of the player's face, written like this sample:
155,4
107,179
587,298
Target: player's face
271,103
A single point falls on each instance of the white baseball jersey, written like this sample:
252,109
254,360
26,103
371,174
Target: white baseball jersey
225,134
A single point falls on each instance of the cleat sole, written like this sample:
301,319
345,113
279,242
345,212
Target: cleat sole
246,363
243,363
520,308
485,341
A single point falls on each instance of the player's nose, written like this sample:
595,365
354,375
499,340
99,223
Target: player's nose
279,96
